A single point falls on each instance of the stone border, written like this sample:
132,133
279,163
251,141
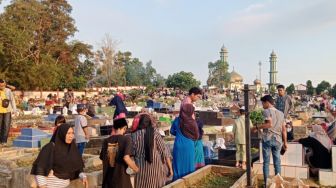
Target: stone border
199,174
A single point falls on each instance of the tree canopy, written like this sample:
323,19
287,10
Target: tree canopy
182,80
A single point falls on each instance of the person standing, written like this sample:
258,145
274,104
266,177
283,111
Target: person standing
274,136
7,108
199,153
151,154
239,137
284,104
82,134
116,155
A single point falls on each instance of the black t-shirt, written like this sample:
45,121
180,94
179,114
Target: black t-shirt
116,177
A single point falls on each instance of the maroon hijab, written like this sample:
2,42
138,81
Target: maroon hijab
188,124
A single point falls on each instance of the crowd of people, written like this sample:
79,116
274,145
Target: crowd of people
140,151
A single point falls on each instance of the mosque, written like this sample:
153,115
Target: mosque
236,81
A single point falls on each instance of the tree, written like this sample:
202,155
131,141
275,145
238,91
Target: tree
34,44
182,80
106,60
333,91
290,89
323,86
218,74
310,88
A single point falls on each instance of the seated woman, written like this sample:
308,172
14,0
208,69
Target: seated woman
59,162
320,145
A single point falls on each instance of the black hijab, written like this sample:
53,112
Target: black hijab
120,106
64,159
146,122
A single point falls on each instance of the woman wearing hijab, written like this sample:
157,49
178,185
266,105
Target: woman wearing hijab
186,132
320,144
199,154
151,155
59,162
120,110
58,122
116,156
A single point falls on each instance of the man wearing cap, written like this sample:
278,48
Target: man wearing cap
274,136
7,107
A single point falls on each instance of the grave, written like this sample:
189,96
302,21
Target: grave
30,138
292,163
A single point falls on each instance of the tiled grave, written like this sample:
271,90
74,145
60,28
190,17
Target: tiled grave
30,138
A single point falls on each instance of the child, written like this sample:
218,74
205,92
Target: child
58,121
116,156
82,135
239,137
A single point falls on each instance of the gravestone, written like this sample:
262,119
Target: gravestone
30,138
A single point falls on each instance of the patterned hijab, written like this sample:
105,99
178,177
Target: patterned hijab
320,135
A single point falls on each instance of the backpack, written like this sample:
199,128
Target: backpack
112,151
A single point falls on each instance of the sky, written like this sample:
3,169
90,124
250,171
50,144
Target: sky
184,35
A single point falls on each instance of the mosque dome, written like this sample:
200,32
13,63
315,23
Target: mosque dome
257,82
235,77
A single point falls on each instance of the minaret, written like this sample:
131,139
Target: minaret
260,70
273,72
224,54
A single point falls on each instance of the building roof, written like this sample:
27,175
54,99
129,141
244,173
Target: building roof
235,77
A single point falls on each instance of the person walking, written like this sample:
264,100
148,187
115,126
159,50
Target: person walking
7,108
82,134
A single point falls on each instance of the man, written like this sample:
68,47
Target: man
273,135
91,109
195,94
7,107
283,102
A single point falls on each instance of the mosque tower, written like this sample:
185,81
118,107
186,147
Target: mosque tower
273,71
224,54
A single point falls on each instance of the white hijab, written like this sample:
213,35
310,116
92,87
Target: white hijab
320,135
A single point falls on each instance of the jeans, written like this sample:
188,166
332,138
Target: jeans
81,147
269,146
5,121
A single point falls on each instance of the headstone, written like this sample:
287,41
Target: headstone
30,138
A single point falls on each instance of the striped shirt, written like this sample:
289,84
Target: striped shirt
151,175
54,182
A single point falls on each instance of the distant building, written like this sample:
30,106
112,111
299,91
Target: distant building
273,72
236,81
257,85
301,89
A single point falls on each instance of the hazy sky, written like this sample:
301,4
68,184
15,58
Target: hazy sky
187,34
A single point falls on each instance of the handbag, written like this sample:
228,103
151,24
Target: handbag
5,103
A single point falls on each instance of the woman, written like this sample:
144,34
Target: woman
320,144
151,155
120,110
199,153
116,156
186,132
59,161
